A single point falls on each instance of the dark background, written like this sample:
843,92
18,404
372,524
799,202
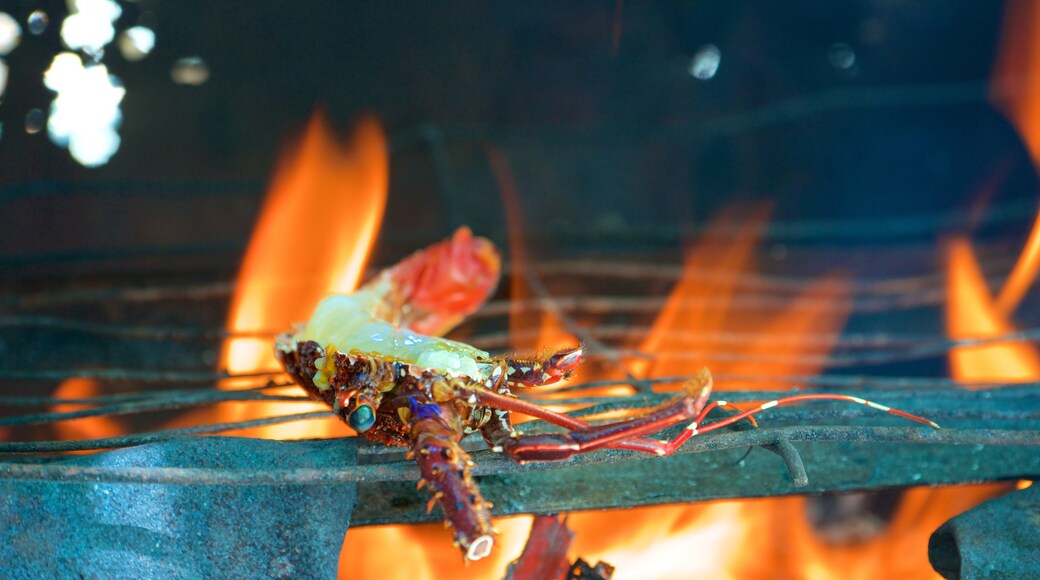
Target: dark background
603,136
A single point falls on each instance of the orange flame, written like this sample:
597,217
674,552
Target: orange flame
701,306
1015,87
700,302
972,313
86,427
655,542
315,230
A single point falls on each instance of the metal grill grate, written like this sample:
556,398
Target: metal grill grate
989,433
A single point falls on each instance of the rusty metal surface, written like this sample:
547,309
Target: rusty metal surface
998,539
99,529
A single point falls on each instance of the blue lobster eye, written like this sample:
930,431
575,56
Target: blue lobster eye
362,418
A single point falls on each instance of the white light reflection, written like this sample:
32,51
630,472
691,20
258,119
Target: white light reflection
88,26
38,22
34,120
706,62
85,113
3,77
10,33
189,71
135,43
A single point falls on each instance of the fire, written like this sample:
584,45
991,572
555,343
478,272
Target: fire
700,307
315,230
280,283
1022,276
973,313
679,541
86,427
1016,79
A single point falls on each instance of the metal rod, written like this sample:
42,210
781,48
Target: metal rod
150,437
493,464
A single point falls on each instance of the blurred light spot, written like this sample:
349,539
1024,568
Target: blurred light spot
94,148
85,113
841,56
89,25
63,72
135,43
34,121
189,71
10,33
38,22
3,77
706,62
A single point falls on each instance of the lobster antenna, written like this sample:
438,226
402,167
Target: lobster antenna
795,399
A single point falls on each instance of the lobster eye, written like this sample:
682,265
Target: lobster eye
362,418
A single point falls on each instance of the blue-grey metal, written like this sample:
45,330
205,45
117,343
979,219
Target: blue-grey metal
998,539
53,529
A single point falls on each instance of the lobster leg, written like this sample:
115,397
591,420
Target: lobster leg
628,434
532,371
584,438
445,469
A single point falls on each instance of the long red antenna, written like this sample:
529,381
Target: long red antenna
794,399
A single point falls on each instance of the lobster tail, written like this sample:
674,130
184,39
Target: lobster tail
445,473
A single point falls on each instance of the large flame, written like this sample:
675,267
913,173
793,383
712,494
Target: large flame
315,230
679,541
314,233
699,311
1015,90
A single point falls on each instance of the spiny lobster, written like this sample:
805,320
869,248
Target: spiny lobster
376,358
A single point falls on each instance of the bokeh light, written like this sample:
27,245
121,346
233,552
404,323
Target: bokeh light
706,62
34,121
135,43
89,25
38,21
85,113
10,33
190,71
